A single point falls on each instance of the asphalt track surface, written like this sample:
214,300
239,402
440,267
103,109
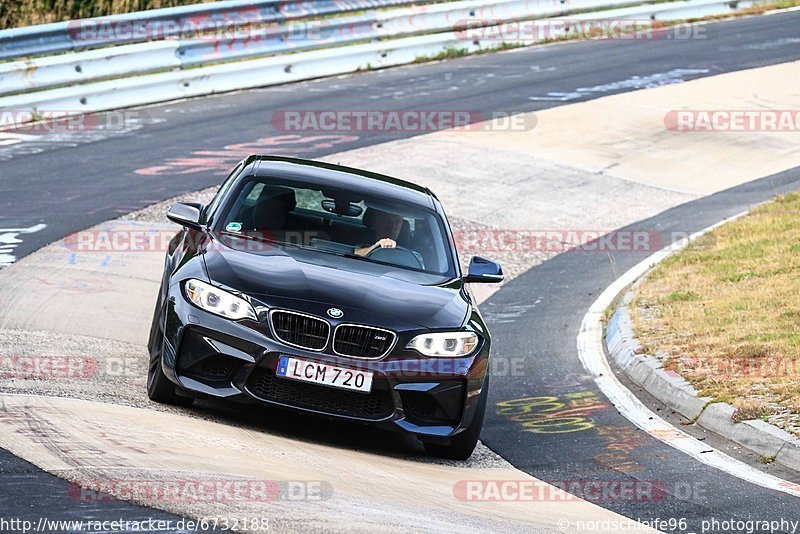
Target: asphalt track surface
73,180
538,315
29,494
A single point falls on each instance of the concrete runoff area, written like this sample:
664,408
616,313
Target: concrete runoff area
344,489
584,167
626,136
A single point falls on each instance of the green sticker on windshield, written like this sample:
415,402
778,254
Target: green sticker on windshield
234,227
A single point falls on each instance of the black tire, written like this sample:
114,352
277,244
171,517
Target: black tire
159,387
462,446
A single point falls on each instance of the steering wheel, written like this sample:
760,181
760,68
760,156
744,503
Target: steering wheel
398,255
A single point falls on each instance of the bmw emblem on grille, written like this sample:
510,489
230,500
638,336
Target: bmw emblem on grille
336,313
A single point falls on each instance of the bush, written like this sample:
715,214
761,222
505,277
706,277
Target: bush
14,13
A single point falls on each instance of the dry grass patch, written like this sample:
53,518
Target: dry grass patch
15,13
726,313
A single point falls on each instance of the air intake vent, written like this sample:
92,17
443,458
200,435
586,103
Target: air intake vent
300,330
362,341
375,405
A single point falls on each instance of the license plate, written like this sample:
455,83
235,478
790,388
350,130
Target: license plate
320,373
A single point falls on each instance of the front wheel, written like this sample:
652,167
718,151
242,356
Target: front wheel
159,387
463,444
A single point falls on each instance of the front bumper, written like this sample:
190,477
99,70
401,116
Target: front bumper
207,355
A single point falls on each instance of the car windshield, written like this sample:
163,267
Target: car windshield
302,217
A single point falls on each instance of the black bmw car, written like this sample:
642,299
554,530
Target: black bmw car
327,290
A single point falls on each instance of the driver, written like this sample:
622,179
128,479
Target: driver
386,228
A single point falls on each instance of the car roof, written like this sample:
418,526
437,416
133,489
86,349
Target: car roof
332,175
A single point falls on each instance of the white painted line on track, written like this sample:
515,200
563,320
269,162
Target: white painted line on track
14,138
634,83
9,240
592,355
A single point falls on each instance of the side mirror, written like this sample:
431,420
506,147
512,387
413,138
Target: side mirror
186,214
484,271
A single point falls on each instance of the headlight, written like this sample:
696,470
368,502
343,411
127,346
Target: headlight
215,300
452,344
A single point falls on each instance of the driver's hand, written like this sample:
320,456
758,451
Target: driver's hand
385,243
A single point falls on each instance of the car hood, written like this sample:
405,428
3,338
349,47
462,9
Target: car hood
384,299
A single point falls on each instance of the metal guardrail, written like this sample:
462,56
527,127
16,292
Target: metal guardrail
144,73
383,25
43,73
76,35
82,67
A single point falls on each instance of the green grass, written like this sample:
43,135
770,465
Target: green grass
680,296
730,299
448,53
